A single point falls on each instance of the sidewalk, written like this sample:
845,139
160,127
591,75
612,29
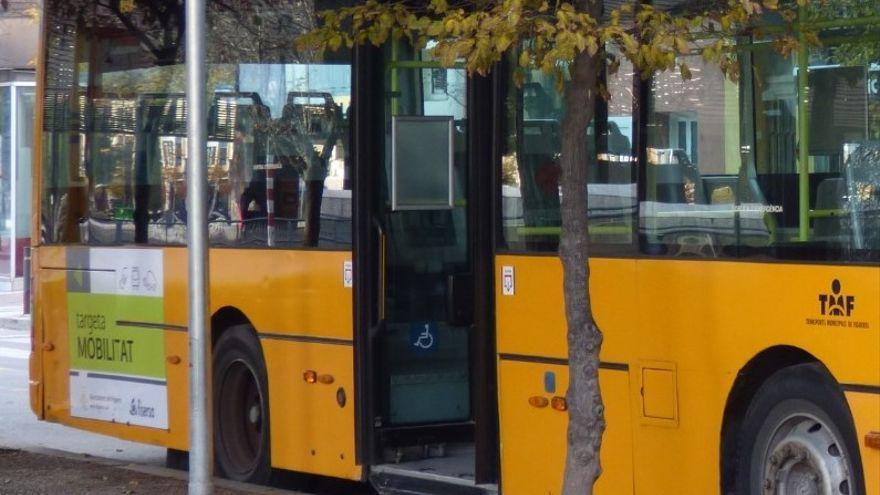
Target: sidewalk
11,313
51,472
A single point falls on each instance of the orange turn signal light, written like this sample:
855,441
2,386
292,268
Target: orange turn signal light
559,403
310,376
538,401
872,440
326,379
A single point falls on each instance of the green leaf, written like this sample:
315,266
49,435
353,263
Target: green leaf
439,6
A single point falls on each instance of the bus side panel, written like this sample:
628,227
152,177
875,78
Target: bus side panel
708,319
35,362
533,443
532,331
312,423
298,305
290,292
531,321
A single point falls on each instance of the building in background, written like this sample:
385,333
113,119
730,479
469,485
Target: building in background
18,49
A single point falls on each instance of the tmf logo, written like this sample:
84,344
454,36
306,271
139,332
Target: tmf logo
836,304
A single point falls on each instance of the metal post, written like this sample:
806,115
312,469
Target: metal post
803,115
200,396
26,272
13,178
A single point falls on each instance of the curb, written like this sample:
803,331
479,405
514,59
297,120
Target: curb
161,472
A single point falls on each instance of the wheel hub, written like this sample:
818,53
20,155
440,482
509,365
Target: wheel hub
805,459
254,414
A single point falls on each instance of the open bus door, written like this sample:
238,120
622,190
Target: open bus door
426,362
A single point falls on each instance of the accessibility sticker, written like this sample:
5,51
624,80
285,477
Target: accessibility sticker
117,364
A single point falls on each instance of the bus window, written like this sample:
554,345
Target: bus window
724,174
115,131
816,164
531,171
692,166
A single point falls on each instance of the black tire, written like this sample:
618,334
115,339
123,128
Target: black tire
798,434
241,407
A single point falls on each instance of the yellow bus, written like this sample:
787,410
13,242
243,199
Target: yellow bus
385,294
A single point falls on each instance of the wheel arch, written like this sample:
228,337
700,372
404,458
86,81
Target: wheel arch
229,320
227,317
748,380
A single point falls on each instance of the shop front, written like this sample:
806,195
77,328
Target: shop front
17,94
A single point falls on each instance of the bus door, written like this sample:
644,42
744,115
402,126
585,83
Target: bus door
422,351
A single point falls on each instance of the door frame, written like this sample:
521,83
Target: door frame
367,136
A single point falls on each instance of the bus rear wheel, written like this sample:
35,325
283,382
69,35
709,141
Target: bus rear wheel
241,407
797,438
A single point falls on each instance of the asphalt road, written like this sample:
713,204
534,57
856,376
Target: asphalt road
20,429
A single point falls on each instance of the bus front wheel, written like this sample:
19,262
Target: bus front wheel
797,438
241,407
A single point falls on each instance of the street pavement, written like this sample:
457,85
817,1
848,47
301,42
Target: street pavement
11,312
30,448
20,429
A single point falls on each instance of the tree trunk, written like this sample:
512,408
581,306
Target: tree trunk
586,419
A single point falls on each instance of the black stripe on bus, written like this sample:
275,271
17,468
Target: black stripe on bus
77,269
523,358
306,339
155,326
863,389
132,379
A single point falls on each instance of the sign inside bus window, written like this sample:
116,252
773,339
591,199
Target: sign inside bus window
117,368
836,309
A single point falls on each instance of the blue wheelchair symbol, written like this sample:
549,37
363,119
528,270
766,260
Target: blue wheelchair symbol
423,336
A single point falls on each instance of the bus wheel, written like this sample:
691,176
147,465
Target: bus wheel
797,438
241,407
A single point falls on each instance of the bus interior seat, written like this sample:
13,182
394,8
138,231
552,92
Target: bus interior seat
695,245
666,183
722,195
831,195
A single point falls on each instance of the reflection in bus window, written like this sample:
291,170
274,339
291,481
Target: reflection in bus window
693,137
724,174
115,161
531,171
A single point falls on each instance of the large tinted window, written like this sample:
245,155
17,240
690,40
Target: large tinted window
783,164
530,174
115,125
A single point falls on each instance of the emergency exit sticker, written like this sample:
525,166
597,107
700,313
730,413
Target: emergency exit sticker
508,281
347,274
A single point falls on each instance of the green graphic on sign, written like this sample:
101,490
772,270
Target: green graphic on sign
98,343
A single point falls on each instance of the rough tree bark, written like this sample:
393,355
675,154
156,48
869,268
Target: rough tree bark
586,419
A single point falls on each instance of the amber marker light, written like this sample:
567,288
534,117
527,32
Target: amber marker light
538,401
559,403
310,376
872,440
326,379
174,359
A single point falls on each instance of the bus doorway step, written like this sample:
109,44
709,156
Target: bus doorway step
393,479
